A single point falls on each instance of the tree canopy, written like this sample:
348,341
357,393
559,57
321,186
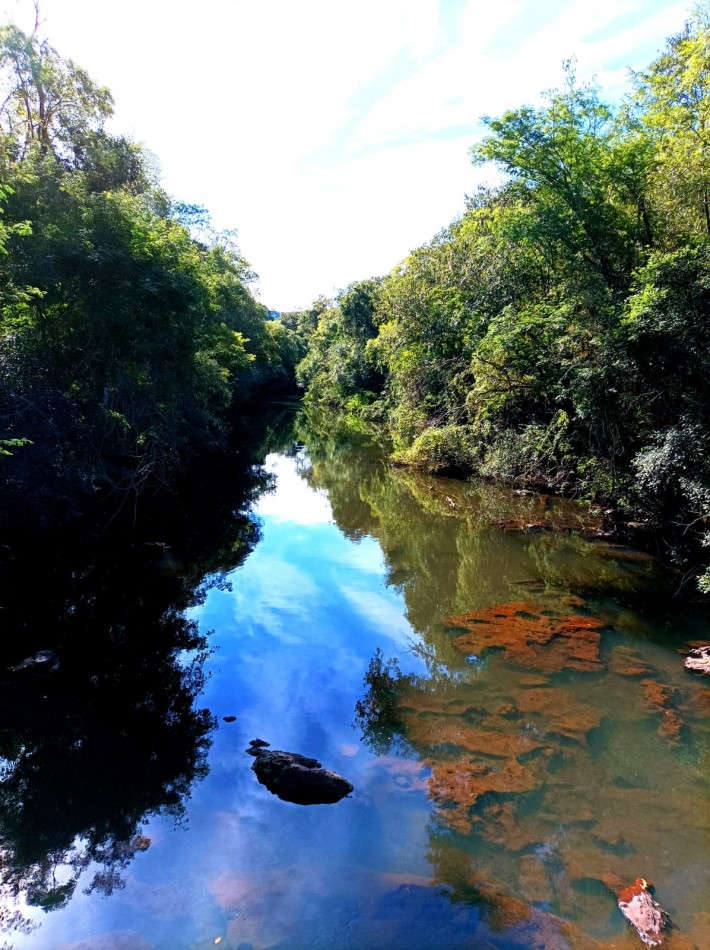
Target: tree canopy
127,326
555,333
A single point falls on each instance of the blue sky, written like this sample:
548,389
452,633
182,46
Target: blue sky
334,134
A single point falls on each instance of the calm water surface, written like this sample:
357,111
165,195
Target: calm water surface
497,787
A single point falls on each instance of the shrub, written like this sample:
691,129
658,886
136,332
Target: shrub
448,450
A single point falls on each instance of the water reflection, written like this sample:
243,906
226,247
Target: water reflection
114,734
557,737
493,787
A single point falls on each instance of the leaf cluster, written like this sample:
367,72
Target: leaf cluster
557,331
127,327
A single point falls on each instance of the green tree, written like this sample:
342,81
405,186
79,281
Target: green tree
49,103
337,367
673,105
127,327
585,171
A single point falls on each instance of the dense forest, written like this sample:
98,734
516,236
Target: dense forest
128,332
555,334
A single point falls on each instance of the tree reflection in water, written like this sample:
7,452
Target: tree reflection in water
89,752
552,710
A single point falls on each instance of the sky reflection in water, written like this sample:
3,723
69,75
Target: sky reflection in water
293,639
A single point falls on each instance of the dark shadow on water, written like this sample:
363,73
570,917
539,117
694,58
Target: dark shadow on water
115,734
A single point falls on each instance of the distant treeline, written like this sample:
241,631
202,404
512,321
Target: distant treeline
558,332
127,327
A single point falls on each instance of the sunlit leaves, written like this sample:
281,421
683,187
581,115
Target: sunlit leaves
673,102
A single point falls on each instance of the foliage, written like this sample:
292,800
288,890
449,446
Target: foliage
673,108
337,364
442,450
557,331
127,329
50,104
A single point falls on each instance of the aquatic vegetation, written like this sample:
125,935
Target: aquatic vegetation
541,638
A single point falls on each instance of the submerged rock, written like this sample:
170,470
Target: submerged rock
456,787
657,698
625,661
297,778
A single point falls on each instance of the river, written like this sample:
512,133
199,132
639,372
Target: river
504,691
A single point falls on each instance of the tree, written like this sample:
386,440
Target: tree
124,336
49,103
673,102
337,366
582,169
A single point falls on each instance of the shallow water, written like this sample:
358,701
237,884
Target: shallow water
496,786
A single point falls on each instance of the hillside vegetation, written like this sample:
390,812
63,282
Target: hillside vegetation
127,327
556,334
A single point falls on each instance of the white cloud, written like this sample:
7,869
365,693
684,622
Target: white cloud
334,135
294,501
380,612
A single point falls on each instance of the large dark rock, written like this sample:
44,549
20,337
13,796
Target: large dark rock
296,778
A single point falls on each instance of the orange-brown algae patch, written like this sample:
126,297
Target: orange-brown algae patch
657,698
560,713
626,661
436,732
532,636
671,726
501,827
587,863
434,723
654,695
531,682
427,703
456,787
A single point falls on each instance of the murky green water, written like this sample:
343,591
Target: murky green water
506,764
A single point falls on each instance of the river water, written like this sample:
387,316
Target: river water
505,693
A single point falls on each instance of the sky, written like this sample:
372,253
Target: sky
333,135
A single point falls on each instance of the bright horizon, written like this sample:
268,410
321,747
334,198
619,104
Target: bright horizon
334,136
